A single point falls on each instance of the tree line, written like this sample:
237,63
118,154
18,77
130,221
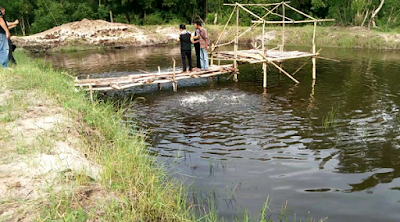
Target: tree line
39,15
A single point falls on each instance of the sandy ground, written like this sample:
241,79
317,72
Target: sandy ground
38,154
97,32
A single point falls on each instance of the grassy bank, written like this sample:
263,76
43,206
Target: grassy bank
335,36
133,187
340,37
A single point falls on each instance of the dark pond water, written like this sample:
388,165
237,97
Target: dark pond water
331,149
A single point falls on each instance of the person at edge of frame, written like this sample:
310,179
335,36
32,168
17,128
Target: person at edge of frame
11,46
4,35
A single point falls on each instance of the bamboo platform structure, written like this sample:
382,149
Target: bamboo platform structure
258,55
261,54
124,82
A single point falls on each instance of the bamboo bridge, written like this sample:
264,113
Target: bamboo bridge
260,54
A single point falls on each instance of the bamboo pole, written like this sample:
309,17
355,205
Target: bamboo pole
283,28
304,64
294,22
329,59
236,44
159,84
298,11
174,83
314,60
226,25
271,4
258,60
273,13
250,12
287,74
163,80
250,28
224,44
263,39
212,54
265,67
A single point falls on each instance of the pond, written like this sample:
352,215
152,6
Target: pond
326,149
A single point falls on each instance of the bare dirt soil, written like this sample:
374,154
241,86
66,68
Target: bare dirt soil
38,155
96,32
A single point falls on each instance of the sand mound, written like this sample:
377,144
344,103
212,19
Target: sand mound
96,32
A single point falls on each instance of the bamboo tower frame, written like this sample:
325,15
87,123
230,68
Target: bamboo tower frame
273,56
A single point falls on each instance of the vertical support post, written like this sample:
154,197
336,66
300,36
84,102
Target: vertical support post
255,72
283,27
235,63
159,84
174,83
219,64
212,55
263,39
314,59
265,67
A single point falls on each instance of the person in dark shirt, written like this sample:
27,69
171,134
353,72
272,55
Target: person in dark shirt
11,46
196,44
185,38
4,36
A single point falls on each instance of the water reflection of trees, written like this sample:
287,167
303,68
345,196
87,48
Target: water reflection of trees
365,90
129,59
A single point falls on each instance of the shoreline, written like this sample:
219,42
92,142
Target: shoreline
103,34
64,157
67,158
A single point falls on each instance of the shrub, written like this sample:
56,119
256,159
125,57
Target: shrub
83,11
153,19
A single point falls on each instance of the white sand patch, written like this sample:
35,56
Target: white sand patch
40,147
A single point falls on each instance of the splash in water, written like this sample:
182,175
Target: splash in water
211,98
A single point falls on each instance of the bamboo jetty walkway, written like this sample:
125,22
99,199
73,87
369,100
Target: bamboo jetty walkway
124,82
260,54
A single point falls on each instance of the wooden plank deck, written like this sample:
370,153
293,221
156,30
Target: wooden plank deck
256,56
124,82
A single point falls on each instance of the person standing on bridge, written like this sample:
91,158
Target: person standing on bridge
185,38
204,42
4,36
196,44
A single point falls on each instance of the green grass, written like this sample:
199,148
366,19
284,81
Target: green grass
10,109
329,120
334,36
340,37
